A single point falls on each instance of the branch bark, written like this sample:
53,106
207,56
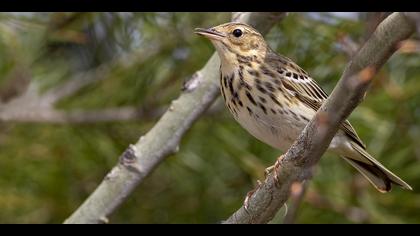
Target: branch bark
140,159
297,164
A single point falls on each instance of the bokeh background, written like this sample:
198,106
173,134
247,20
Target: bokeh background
139,61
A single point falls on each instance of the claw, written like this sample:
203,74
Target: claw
277,169
246,201
274,167
249,195
268,170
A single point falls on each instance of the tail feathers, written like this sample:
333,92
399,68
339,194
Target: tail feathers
378,179
375,172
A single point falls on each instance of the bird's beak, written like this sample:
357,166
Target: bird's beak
210,33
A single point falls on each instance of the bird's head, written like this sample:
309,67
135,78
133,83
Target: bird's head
233,39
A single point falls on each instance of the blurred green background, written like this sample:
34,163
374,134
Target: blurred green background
140,60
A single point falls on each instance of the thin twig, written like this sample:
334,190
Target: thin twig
81,80
29,105
415,16
352,213
79,116
297,193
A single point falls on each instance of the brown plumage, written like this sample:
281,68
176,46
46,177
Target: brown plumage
273,98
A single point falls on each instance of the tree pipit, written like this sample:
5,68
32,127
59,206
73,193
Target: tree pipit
273,98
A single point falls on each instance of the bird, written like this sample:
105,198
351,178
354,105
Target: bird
273,98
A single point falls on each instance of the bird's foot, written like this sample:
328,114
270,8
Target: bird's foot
276,168
249,195
268,170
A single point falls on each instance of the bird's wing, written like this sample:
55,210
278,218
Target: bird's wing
306,89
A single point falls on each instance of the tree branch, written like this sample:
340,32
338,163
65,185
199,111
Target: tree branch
415,16
79,116
297,164
352,213
28,105
139,160
348,45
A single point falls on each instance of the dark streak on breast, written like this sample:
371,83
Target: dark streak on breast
269,86
231,84
274,99
251,99
263,108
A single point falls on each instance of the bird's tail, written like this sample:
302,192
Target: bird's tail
375,172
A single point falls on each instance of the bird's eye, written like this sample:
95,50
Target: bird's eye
237,33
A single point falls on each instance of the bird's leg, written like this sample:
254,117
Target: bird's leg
249,195
268,170
274,167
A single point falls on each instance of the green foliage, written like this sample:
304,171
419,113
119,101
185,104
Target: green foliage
48,170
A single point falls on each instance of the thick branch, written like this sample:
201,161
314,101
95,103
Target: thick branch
139,160
297,163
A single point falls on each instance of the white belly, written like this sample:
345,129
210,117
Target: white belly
285,131
280,135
